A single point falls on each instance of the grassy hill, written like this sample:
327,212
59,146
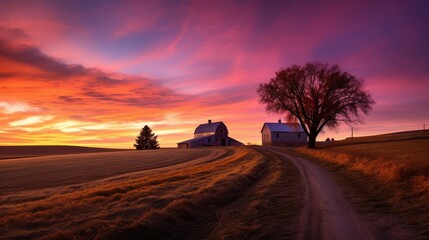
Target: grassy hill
388,172
388,137
407,152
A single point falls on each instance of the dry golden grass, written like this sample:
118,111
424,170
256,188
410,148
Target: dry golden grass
393,168
7,152
220,193
51,171
389,161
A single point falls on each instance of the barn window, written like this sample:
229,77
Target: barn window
299,135
277,135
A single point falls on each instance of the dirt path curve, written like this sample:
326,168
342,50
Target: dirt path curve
326,213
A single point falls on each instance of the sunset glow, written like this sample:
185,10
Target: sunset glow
94,73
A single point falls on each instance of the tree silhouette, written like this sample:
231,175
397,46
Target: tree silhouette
316,95
146,139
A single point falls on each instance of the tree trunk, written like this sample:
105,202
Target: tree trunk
311,141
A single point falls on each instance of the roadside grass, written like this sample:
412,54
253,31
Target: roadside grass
274,204
246,194
383,174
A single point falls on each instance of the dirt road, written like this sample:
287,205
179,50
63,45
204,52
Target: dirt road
326,213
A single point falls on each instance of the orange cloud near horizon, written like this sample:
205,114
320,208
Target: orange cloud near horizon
58,103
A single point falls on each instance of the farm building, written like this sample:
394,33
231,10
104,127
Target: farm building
210,134
283,134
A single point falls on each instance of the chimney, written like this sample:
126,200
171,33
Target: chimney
210,121
280,121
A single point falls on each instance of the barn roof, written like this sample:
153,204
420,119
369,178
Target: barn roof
283,127
207,127
194,139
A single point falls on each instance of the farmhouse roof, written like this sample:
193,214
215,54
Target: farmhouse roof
283,127
207,127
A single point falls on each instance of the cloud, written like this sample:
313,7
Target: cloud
70,99
228,95
31,121
86,84
30,55
17,107
15,34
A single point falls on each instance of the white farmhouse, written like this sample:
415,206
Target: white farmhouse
283,134
210,134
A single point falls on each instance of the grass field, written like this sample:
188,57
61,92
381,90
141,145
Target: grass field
8,152
211,193
393,169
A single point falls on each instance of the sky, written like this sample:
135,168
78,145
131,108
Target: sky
93,73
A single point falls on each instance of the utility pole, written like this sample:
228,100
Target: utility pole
352,133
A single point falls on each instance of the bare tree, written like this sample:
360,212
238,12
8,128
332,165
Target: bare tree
316,95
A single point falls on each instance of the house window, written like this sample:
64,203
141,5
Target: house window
208,139
277,135
299,135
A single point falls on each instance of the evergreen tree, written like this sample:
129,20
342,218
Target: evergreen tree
146,139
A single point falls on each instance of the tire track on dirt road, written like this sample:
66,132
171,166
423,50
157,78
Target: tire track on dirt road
326,213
